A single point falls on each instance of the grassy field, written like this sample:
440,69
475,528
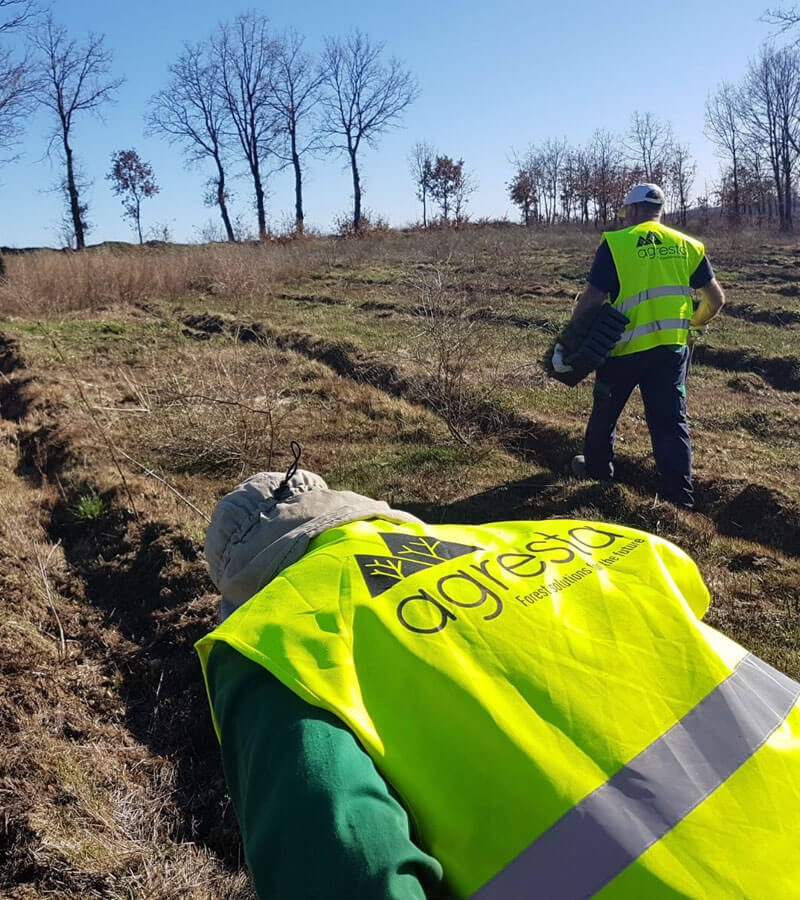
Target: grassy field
138,385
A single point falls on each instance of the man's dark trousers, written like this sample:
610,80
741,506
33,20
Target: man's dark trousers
661,376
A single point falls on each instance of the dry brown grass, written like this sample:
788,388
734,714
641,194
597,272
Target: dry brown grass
46,283
89,811
219,412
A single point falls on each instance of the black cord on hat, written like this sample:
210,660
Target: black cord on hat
283,488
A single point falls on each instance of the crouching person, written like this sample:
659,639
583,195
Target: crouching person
501,711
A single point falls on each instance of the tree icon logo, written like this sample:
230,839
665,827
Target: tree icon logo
408,554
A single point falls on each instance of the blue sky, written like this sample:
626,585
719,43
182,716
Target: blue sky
495,76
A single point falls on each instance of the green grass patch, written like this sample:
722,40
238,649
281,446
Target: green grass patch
89,507
433,460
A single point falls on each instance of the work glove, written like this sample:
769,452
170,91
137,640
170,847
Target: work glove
558,360
696,333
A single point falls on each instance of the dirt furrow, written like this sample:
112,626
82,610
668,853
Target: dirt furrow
487,314
758,315
727,503
142,588
781,372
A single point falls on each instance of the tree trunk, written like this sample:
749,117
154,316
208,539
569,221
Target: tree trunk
298,187
221,202
260,209
74,202
776,174
139,219
424,207
356,193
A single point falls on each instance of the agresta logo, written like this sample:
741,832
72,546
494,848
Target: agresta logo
650,246
544,564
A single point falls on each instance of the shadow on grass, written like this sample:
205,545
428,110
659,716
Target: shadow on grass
540,497
751,512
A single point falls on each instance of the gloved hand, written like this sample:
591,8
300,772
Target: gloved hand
558,360
696,333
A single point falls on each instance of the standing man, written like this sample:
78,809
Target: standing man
648,272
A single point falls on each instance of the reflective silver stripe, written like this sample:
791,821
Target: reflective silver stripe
614,825
671,290
660,325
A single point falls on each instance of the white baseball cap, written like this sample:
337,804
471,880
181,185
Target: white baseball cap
645,193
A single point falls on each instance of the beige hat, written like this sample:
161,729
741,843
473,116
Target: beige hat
267,522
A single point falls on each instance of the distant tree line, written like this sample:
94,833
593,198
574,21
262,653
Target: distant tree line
556,182
755,127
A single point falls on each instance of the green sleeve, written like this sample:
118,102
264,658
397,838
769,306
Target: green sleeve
317,819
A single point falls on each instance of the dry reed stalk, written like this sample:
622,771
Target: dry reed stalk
48,593
166,484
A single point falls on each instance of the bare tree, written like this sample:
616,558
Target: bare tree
608,174
579,172
420,164
556,182
74,79
568,185
189,111
246,54
649,143
16,94
132,179
465,187
363,98
66,226
546,181
681,170
758,189
552,156
19,12
785,19
771,114
294,92
16,81
723,128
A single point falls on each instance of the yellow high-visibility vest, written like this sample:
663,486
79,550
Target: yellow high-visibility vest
545,700
654,265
